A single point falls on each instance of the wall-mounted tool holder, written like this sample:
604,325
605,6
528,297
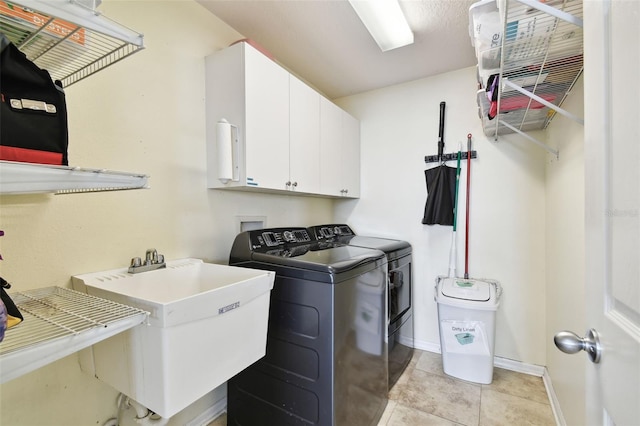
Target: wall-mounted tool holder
441,157
449,157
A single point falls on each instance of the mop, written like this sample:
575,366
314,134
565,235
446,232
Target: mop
453,258
467,282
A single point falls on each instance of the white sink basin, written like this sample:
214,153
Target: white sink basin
186,290
207,323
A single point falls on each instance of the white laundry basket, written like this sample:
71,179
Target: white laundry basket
467,316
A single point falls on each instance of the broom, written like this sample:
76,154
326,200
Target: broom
466,228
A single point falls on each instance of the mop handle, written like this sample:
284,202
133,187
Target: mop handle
466,237
453,252
455,206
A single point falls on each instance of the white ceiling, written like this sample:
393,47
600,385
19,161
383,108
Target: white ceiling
324,42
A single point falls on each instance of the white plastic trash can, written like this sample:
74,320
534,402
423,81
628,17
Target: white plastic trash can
467,316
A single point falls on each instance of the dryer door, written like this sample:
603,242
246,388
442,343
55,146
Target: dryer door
399,287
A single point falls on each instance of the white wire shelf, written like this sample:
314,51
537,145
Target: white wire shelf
67,38
536,56
59,322
27,178
72,41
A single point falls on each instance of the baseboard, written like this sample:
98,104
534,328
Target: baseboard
422,345
506,363
553,399
210,414
519,367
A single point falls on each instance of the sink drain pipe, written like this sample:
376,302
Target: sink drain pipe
143,416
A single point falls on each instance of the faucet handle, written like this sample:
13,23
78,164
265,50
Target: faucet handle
160,258
151,256
136,262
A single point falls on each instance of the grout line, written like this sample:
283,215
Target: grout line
480,406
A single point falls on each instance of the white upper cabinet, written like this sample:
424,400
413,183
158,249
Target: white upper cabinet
266,98
351,155
304,142
251,92
330,145
277,132
339,152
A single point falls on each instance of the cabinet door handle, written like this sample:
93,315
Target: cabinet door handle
295,184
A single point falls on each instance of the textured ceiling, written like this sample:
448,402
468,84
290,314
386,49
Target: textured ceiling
324,42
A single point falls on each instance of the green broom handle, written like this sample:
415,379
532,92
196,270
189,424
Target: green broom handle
455,207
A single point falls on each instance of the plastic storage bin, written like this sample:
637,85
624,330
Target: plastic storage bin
466,313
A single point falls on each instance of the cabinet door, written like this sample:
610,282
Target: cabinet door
304,142
330,148
266,121
351,155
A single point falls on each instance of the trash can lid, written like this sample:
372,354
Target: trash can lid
466,289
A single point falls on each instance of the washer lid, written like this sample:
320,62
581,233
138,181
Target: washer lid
466,289
396,247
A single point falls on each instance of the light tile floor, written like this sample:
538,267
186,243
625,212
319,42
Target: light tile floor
425,396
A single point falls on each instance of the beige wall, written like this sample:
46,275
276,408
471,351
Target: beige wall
565,256
399,126
144,114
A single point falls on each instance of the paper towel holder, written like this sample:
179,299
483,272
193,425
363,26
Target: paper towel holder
227,150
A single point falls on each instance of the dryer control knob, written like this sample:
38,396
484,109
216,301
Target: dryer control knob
288,236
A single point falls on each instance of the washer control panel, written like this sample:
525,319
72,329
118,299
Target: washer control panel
278,237
327,232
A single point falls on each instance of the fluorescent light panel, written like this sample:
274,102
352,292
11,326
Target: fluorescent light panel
385,21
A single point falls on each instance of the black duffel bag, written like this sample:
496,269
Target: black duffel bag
33,111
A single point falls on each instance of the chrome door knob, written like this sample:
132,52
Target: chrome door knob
570,343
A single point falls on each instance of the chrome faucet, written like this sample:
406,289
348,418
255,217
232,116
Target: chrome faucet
152,261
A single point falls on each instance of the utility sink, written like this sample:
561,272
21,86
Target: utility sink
207,323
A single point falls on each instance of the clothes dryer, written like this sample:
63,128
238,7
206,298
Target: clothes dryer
326,355
400,311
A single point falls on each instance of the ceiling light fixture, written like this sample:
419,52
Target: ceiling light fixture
385,21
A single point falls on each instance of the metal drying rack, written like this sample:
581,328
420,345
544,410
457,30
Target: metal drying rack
59,322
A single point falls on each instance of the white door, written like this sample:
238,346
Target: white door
612,175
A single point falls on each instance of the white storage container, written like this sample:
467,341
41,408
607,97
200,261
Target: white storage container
486,31
466,314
